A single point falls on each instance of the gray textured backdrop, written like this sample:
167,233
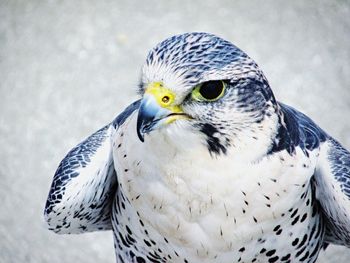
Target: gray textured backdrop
68,67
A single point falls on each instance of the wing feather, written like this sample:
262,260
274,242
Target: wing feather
332,181
85,183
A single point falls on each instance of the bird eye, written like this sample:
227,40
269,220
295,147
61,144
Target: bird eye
209,91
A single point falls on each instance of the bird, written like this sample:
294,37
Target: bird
206,166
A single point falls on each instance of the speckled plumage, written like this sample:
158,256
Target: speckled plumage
243,179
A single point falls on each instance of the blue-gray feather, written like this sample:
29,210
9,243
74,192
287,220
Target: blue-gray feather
78,157
92,210
340,164
298,130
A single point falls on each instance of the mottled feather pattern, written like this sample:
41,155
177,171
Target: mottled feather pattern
244,178
120,119
340,164
78,157
332,180
299,130
88,205
186,59
77,202
296,129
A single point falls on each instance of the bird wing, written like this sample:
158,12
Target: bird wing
85,183
331,180
332,185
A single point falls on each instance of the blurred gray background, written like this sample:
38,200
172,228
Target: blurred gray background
69,67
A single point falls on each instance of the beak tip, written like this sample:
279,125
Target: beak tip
141,135
150,116
140,131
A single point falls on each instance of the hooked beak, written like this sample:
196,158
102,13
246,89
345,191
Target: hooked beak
157,110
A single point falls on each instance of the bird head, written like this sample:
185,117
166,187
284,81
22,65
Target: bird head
208,86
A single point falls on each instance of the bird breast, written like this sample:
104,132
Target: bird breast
193,198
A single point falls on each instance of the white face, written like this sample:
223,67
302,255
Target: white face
211,85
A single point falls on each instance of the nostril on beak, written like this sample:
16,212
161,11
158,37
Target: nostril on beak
165,99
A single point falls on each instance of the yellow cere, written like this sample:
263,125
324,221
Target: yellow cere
164,97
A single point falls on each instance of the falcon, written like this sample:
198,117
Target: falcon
207,166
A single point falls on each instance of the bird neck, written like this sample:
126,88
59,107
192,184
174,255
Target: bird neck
253,143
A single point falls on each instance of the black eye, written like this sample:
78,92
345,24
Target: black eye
212,90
